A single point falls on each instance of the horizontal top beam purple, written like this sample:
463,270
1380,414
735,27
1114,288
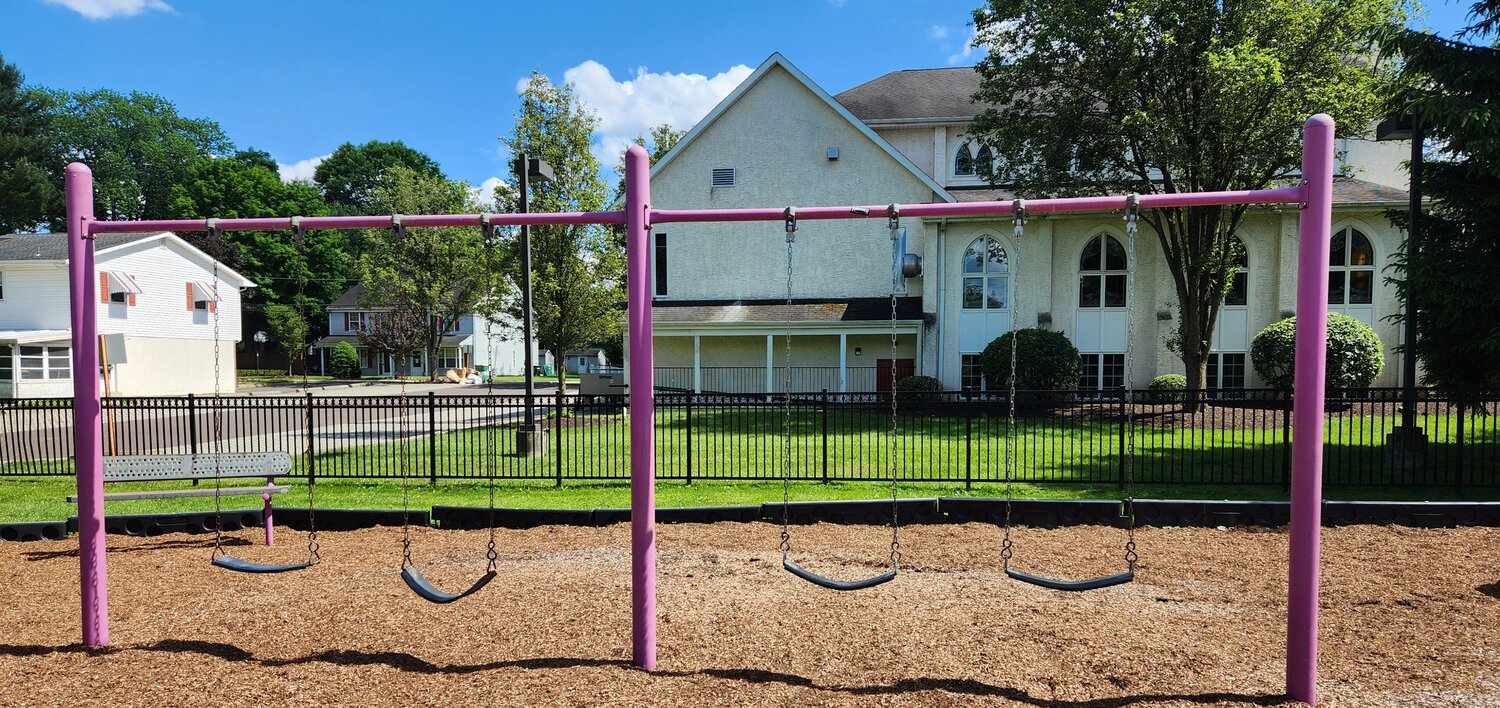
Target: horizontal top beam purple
1285,195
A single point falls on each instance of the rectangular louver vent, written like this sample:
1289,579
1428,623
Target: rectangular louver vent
723,177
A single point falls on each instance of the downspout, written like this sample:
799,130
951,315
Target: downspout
942,290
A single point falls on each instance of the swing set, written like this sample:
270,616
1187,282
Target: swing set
1313,196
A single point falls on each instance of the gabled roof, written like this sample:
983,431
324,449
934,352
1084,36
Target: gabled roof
776,60
916,96
52,247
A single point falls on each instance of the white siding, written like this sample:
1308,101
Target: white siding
163,271
36,296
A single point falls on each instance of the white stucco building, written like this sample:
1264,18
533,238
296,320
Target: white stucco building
158,298
780,139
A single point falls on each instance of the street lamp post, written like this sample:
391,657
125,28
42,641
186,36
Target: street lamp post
1406,445
531,439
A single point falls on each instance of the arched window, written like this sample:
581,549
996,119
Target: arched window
984,160
1238,293
1101,273
986,275
963,164
1351,269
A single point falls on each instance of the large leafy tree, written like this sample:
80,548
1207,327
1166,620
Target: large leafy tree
442,272
578,271
349,175
661,141
287,328
29,196
1148,96
1454,88
137,145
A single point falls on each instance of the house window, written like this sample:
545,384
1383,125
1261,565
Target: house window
972,374
1101,273
7,363
118,287
202,296
1226,370
963,163
986,275
722,177
659,268
1351,269
1103,372
448,358
366,358
972,159
2,285
355,322
441,324
46,363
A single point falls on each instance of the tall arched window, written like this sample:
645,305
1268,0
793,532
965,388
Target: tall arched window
1239,293
986,275
984,160
1101,273
1351,269
1231,340
963,163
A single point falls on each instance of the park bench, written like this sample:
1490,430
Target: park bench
197,468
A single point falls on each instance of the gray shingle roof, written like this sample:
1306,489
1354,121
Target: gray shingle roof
54,247
915,94
350,299
864,309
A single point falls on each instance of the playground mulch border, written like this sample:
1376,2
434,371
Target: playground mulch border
1411,617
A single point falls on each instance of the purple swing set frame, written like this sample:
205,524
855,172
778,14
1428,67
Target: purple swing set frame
1314,196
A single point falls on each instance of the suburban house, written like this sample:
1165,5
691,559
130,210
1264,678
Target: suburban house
583,361
781,139
472,341
160,308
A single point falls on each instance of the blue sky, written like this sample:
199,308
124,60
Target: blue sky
299,77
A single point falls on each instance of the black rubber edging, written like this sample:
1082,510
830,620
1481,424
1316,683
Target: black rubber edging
1052,513
175,522
471,517
347,519
34,531
684,515
855,511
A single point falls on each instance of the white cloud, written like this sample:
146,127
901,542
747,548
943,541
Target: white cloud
938,31
485,192
970,46
300,171
647,99
105,9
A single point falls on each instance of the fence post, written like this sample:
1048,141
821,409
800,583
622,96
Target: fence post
1286,441
432,437
968,449
689,435
557,428
1458,452
312,459
825,435
193,428
1120,459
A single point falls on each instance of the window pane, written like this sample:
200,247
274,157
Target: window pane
974,257
996,260
1114,371
1336,287
1361,287
995,293
1114,291
1115,257
964,163
1088,291
973,293
1090,258
1236,294
30,351
1234,371
973,375
1241,256
29,373
1360,252
1336,249
1090,380
1213,373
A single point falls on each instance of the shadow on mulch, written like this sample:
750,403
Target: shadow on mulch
406,662
156,546
1493,590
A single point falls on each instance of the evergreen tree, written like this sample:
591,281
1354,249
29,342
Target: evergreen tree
29,194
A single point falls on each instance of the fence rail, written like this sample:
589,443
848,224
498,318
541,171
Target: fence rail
1235,437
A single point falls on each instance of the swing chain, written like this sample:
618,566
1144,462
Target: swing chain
790,216
212,226
299,235
1018,222
893,222
491,555
399,232
1132,215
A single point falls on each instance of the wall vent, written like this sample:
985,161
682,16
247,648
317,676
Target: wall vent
722,177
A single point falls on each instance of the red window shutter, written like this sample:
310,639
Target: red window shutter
347,328
104,287
131,300
213,306
190,296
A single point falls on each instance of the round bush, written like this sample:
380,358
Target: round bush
1355,356
917,389
1168,386
1045,361
343,363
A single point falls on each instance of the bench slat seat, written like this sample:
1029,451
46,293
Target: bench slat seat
150,468
179,493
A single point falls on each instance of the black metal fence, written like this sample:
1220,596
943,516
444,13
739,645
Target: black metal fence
753,379
1240,437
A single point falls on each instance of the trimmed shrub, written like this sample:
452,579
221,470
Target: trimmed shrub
1355,355
1168,387
916,389
343,363
1045,361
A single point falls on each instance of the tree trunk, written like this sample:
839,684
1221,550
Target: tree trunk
1194,358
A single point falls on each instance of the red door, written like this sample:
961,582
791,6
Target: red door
904,368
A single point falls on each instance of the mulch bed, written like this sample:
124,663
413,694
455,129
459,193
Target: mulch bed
1410,617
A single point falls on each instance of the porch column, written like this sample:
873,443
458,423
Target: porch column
770,363
843,363
697,364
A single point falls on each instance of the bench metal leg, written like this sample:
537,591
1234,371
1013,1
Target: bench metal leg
269,523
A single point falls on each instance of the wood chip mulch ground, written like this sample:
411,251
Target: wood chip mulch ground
1410,618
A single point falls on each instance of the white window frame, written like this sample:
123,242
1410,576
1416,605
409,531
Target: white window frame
1215,371
44,362
1348,269
1100,364
1103,273
2,286
963,374
987,275
351,317
976,153
445,363
7,362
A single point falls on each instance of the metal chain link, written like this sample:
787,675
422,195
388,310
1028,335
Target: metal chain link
786,425
893,222
300,236
491,555
1018,222
399,233
213,236
1132,214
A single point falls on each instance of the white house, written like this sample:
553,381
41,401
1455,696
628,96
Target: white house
472,341
156,292
780,139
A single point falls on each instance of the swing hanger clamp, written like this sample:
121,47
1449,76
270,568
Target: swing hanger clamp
790,216
298,233
212,227
1132,210
893,219
1018,215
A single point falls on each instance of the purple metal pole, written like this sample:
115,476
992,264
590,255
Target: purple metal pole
1314,229
266,519
88,460
642,410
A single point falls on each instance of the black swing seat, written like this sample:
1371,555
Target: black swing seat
1073,585
427,591
840,585
243,566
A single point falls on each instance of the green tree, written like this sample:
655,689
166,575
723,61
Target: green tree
137,146
258,158
1455,87
349,175
663,138
1148,96
29,196
399,332
286,327
578,271
442,272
